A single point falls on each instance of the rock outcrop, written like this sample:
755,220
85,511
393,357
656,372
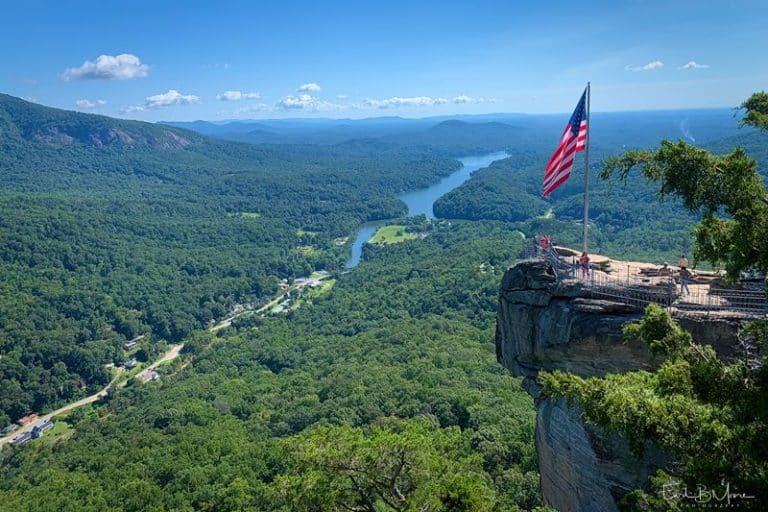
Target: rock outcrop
543,324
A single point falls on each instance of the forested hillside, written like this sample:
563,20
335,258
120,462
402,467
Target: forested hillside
390,376
112,228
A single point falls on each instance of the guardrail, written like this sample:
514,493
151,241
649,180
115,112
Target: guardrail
639,291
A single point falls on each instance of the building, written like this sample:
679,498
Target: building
131,363
128,345
26,420
22,438
148,376
40,428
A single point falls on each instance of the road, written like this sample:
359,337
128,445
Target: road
169,355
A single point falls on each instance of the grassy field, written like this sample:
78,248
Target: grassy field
61,430
246,215
391,235
308,250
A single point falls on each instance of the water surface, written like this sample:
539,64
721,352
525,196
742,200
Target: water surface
421,202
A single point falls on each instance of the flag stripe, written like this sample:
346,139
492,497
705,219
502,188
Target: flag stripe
558,169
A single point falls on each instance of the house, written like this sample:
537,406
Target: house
131,363
148,375
39,429
128,345
26,420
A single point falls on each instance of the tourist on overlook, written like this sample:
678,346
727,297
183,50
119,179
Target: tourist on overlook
584,263
665,271
685,278
683,263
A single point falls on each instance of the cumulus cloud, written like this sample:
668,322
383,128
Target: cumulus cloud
166,99
237,95
88,104
254,109
307,102
655,64
414,101
341,96
467,99
108,67
133,109
693,65
172,97
310,87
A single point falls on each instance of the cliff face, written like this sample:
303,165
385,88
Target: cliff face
543,324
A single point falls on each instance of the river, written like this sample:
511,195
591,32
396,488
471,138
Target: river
420,201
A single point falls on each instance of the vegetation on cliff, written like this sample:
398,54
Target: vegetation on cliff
726,191
711,415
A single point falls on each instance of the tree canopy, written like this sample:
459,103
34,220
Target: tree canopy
726,191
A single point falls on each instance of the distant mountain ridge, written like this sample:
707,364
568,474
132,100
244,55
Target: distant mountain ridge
31,122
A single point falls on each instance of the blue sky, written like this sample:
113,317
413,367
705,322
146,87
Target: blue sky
225,60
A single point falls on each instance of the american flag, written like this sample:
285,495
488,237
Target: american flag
573,140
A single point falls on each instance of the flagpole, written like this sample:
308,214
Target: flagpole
586,176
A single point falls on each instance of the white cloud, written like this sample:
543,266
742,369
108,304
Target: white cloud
172,97
693,65
88,104
397,101
108,67
166,99
307,102
310,87
133,108
31,99
341,96
257,108
467,99
217,65
237,95
655,64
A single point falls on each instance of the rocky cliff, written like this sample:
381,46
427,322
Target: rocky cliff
543,324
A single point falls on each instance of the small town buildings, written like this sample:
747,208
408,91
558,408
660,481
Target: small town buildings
39,429
26,420
22,438
148,376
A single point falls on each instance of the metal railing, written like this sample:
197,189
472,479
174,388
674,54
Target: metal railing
699,301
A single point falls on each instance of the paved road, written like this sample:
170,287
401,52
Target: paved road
170,354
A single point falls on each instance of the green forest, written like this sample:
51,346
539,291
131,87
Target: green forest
112,229
382,392
397,361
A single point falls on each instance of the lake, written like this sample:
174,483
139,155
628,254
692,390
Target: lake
420,202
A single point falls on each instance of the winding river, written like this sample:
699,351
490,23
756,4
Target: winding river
421,201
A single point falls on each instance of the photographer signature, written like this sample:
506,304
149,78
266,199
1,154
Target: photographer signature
702,494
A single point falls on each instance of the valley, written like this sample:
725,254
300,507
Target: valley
208,248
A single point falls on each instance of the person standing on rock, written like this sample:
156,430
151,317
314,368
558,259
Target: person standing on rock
683,263
685,278
584,263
